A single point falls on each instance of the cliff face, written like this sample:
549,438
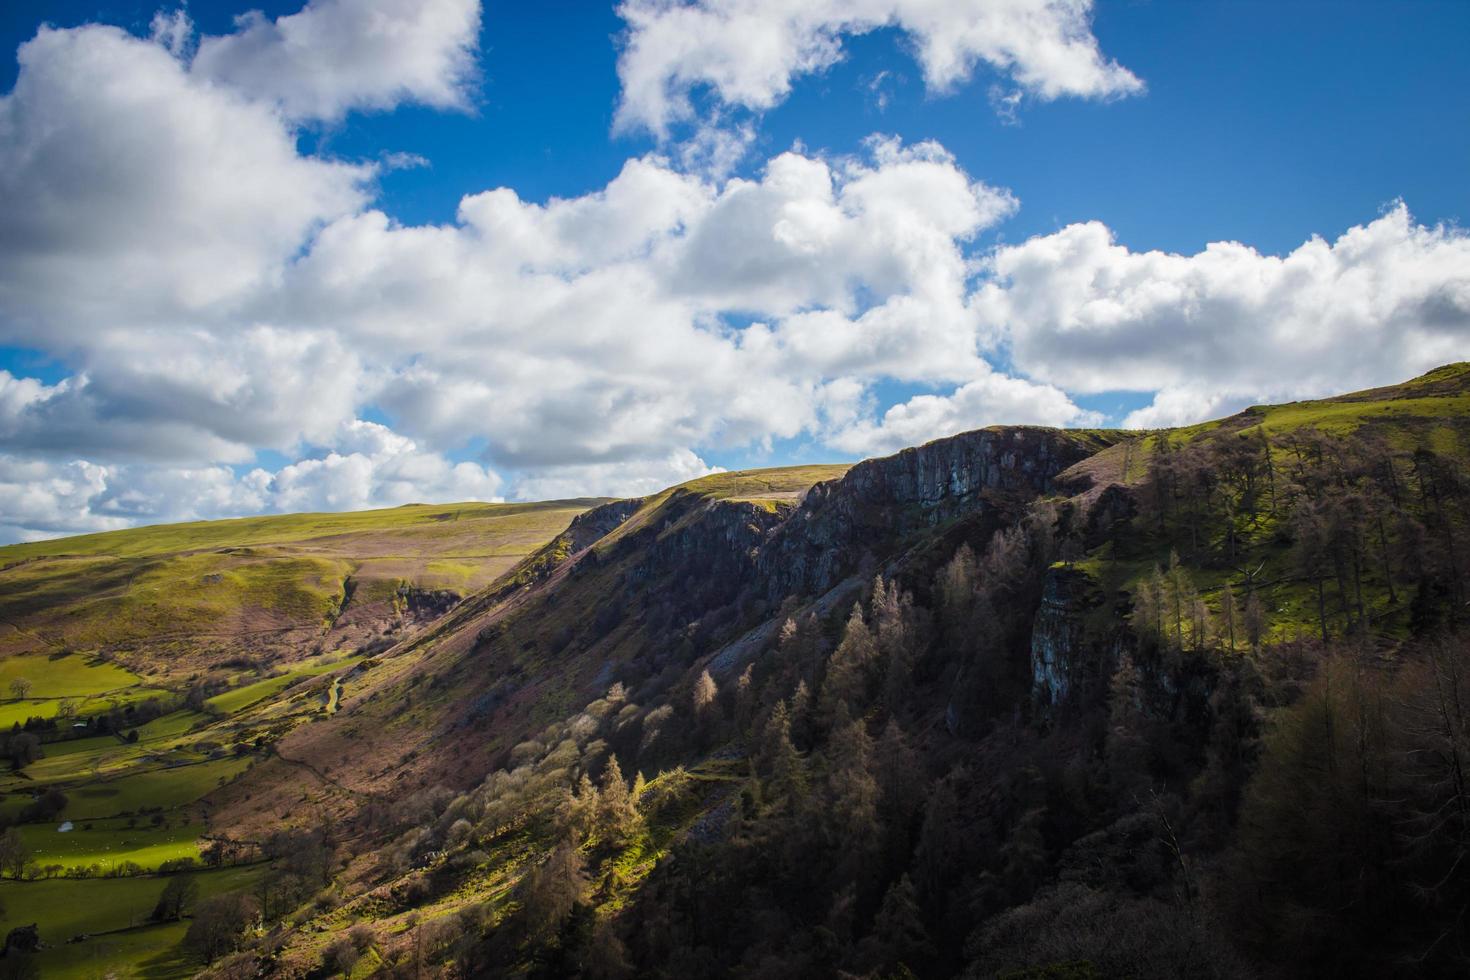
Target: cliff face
880,501
1067,664
1076,645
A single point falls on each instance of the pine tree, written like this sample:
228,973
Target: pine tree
707,716
551,891
956,586
852,802
618,817
849,670
899,928
1126,748
901,784
779,761
1179,599
744,698
1254,621
704,694
584,809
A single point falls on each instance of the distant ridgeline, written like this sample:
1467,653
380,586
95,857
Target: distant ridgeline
1020,702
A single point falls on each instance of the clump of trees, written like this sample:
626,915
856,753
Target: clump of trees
220,924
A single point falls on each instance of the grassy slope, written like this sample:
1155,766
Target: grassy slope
769,489
392,723
1430,412
262,584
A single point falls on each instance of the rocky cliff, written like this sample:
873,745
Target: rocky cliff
880,501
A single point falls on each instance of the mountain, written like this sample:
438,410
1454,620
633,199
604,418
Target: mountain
1019,702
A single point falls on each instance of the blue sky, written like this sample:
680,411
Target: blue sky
1175,126
1263,122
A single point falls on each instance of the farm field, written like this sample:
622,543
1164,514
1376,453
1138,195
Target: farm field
114,914
107,843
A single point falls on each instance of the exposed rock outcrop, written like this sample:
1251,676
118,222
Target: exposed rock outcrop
881,500
1068,664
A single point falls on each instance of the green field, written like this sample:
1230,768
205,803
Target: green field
165,788
170,725
263,605
242,532
64,908
12,712
64,677
110,843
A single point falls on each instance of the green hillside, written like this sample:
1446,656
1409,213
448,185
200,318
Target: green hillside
1021,702
174,596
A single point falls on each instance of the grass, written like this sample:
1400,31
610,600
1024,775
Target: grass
160,788
18,711
170,725
148,952
110,843
64,908
243,697
103,756
763,487
64,677
242,532
77,746
265,584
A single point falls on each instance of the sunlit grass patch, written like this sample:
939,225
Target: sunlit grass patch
111,843
161,788
73,676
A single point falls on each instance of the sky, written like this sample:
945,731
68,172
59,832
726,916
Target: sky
361,253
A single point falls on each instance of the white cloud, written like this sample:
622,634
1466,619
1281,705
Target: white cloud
1228,326
334,56
747,53
176,397
636,478
592,330
42,500
992,400
137,195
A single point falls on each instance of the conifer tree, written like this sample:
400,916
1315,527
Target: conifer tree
849,669
852,801
780,761
899,928
618,816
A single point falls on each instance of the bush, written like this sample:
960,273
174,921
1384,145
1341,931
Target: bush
342,956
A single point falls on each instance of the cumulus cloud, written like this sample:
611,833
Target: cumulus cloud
992,400
43,500
597,330
624,479
1227,326
747,53
135,194
334,56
